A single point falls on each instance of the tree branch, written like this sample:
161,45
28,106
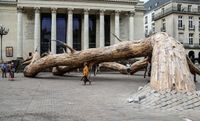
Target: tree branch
67,46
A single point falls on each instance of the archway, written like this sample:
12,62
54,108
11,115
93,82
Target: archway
191,56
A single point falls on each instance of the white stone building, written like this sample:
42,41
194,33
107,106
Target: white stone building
149,22
82,24
181,19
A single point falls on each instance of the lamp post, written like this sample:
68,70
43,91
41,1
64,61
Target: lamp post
3,31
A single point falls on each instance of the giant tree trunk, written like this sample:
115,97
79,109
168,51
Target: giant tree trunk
169,65
126,49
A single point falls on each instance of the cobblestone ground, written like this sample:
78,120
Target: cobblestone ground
53,98
146,97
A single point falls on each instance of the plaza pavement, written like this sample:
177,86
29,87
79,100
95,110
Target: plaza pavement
54,98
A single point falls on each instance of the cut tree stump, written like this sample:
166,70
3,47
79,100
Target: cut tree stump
170,70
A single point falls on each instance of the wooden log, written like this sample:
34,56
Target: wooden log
193,69
114,66
139,65
126,49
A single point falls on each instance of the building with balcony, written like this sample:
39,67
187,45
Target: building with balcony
180,19
149,16
82,24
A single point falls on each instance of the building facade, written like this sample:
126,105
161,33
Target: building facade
149,22
180,19
82,24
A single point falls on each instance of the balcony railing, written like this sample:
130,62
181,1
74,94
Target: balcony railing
191,46
174,9
191,28
181,27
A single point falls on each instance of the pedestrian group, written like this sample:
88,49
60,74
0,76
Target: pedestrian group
7,67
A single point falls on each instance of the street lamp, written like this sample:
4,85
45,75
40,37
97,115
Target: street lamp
3,31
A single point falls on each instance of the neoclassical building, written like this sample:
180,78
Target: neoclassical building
82,24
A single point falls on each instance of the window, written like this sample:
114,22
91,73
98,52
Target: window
146,19
190,38
178,7
199,39
190,22
152,16
92,31
199,23
189,8
156,4
163,29
107,30
180,21
9,51
181,37
163,10
77,31
149,8
61,32
153,27
198,8
45,42
146,30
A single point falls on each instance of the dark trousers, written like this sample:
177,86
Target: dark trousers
85,80
4,74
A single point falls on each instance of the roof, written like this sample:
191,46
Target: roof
153,4
188,1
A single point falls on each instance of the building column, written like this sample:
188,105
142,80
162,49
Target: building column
53,30
131,25
85,41
101,29
19,33
117,32
37,30
70,28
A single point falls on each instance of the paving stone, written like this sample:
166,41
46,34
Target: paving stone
140,88
198,93
173,92
189,93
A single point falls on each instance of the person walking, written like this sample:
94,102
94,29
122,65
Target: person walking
0,72
4,70
11,71
85,74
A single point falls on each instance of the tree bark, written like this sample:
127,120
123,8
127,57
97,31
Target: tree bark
114,66
139,65
193,69
128,49
169,64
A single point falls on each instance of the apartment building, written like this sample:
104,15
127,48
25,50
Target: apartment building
180,19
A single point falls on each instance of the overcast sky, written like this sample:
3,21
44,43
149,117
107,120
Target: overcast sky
144,0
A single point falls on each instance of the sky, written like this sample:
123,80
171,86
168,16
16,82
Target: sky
144,0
